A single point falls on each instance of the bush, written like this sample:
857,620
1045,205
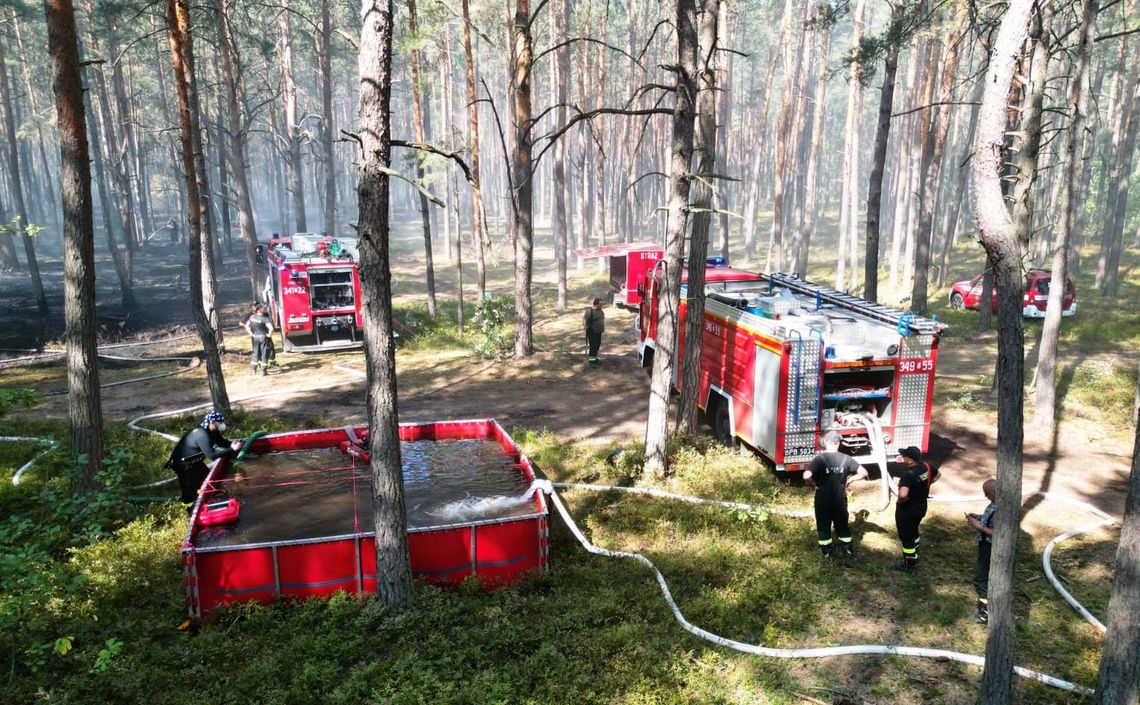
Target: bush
492,315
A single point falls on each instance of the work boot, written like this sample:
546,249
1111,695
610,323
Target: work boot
904,566
253,369
982,617
849,559
265,371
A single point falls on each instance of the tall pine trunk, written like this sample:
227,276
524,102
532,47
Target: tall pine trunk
479,226
291,128
1118,681
848,206
234,92
523,182
393,564
328,128
560,18
16,176
190,134
84,407
420,127
1045,403
680,178
1004,250
704,146
878,164
932,164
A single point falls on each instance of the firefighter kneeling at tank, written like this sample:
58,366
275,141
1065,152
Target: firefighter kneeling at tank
188,459
830,473
260,329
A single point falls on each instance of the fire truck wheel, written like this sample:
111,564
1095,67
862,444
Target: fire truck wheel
722,428
647,361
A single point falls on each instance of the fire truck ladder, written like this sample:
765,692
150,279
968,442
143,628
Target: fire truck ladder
906,323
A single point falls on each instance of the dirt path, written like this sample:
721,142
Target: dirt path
553,390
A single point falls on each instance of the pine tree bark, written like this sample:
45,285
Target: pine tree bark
1004,250
932,165
420,127
560,18
848,207
292,137
127,294
1045,403
816,140
1119,175
878,164
1118,680
784,141
704,148
235,133
680,177
393,564
477,215
328,127
521,168
84,407
193,163
40,141
16,177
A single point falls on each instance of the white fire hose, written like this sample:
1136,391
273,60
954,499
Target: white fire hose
821,652
760,650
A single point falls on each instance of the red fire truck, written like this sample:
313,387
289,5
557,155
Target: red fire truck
312,288
627,264
784,361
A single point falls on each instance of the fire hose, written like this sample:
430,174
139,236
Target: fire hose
756,649
821,652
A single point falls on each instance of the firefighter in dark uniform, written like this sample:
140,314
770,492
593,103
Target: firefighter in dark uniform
914,489
830,473
260,329
983,525
202,444
594,322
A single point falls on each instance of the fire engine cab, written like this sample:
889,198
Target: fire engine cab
783,361
312,288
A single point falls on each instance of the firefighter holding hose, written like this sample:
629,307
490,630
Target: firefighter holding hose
914,489
830,473
260,329
203,443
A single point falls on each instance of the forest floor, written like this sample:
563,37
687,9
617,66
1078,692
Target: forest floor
554,399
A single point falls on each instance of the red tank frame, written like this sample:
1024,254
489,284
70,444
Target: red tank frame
497,552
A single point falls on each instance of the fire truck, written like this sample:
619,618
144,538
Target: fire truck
312,288
627,264
783,361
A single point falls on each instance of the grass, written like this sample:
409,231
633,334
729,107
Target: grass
590,630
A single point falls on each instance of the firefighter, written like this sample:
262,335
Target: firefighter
830,473
188,459
594,322
983,526
914,489
260,329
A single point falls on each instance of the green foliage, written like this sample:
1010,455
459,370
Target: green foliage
492,316
38,587
12,398
421,331
1101,390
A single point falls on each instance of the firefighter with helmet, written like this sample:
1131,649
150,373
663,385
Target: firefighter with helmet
260,329
203,443
830,473
914,489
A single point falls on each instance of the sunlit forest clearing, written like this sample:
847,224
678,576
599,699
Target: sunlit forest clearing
425,200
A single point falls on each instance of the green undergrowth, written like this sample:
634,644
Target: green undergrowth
106,593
